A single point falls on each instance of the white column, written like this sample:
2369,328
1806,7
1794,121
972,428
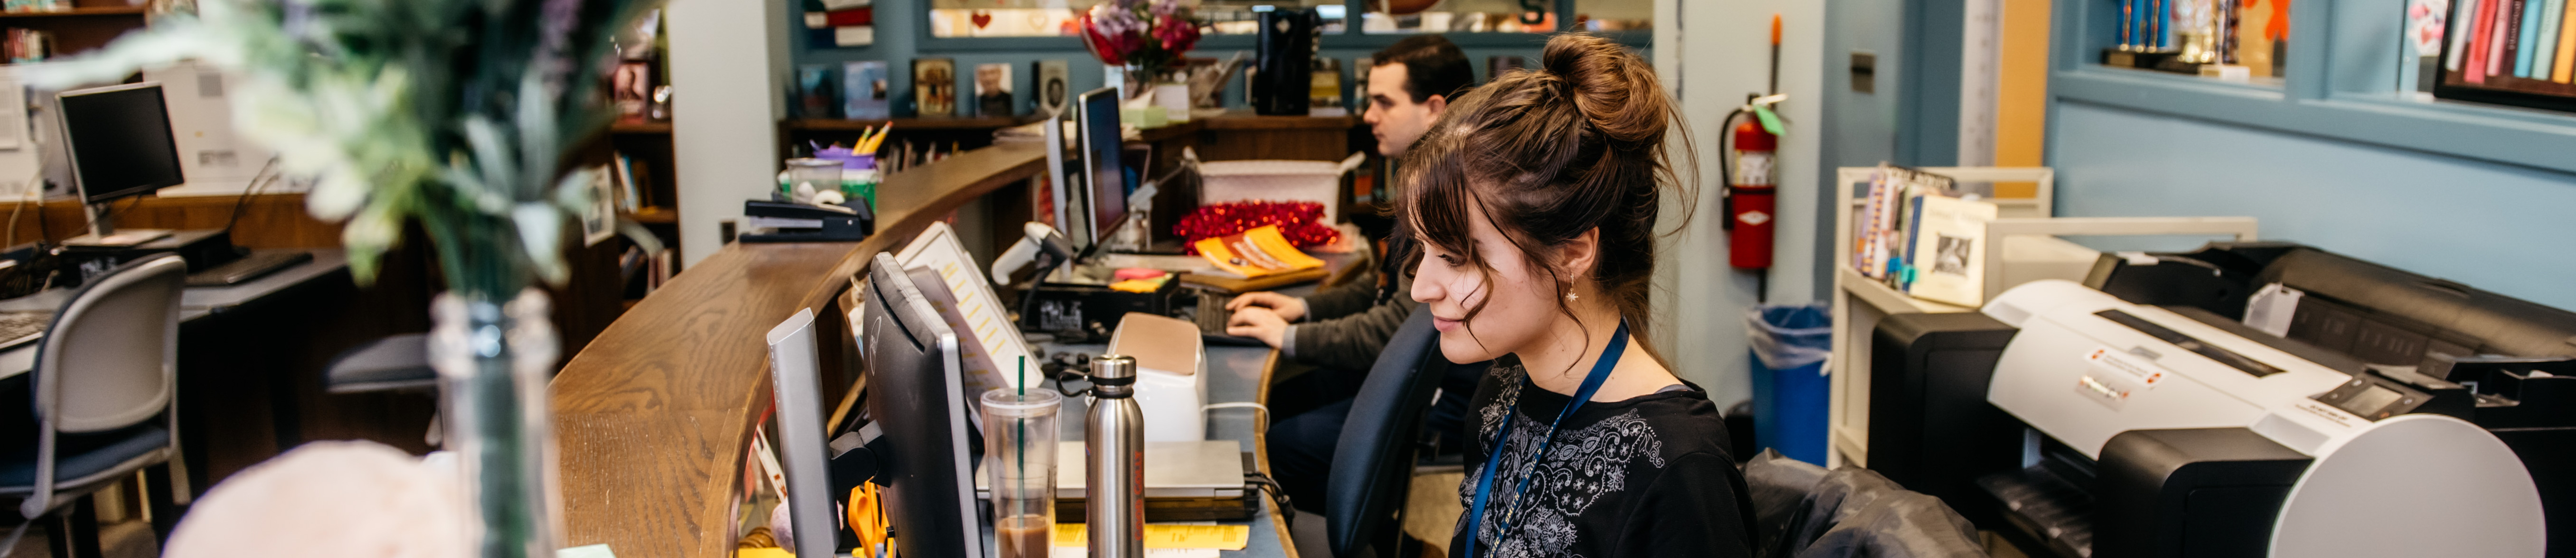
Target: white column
728,72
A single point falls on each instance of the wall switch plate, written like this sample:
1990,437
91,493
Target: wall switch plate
1864,71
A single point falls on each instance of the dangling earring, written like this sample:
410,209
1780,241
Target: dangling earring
1571,296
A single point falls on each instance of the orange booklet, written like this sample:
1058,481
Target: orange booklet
1255,253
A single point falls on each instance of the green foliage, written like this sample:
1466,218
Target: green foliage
454,113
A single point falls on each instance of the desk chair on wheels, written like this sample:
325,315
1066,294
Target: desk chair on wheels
105,395
1373,461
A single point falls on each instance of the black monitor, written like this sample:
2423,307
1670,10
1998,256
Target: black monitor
1105,179
917,402
119,140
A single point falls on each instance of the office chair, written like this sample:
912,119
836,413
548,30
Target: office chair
1373,462
104,372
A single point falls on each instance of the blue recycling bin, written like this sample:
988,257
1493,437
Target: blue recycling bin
1789,344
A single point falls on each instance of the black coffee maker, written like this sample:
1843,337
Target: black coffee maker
1284,76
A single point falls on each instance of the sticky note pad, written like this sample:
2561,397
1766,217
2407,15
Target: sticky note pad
1221,537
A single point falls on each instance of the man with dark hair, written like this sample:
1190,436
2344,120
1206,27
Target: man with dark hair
1410,83
1342,329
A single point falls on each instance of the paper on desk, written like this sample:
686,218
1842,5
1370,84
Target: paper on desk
1085,552
585,551
1165,535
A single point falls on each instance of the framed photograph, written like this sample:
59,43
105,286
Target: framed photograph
863,90
993,89
599,220
1054,90
934,86
631,86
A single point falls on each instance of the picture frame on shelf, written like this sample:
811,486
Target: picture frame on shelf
934,87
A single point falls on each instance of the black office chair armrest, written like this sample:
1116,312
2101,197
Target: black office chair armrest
1373,462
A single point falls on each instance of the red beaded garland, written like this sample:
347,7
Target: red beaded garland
1300,221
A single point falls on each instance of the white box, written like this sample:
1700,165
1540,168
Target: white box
1272,180
1171,374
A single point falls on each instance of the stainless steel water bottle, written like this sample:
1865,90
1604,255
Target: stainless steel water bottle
1114,444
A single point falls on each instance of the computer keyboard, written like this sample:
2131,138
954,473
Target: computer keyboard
20,327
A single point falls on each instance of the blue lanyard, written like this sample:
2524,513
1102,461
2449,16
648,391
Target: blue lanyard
1485,480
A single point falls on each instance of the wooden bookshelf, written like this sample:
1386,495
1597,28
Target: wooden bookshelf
88,26
84,11
914,124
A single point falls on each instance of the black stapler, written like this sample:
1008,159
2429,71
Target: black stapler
795,222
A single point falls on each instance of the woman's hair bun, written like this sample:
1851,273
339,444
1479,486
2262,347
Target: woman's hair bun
1613,88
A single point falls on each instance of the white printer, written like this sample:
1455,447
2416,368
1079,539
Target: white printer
2202,441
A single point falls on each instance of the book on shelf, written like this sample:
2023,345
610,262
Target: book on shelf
2565,59
863,90
630,196
934,87
2517,52
1946,246
993,89
1877,231
1054,87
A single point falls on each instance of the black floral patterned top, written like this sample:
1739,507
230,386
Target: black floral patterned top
1646,476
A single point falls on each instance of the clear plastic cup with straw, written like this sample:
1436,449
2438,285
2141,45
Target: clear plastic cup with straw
1019,460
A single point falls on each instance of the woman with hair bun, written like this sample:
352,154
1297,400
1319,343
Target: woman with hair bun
1535,198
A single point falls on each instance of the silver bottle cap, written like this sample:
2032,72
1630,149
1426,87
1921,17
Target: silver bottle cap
1113,367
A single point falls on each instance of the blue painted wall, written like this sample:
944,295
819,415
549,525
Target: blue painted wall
2492,226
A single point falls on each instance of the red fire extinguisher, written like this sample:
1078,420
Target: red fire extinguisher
1752,195
1751,169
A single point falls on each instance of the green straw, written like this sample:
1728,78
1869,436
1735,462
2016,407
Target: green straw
1023,422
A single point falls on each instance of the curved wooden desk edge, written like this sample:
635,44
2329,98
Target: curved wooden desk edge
1261,457
653,417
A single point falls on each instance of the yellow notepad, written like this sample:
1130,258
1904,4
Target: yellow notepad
1157,535
1255,253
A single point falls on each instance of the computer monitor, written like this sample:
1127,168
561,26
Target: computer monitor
1104,178
119,141
795,379
917,397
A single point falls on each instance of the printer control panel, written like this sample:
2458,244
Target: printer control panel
2384,391
2371,399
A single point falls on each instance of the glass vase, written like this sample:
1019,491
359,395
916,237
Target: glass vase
493,359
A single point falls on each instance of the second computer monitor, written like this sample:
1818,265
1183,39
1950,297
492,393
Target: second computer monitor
916,398
1104,178
119,140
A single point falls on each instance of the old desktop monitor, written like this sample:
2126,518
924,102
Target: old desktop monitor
120,146
917,397
1104,178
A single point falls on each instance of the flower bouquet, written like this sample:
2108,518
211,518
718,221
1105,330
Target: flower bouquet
1146,36
456,115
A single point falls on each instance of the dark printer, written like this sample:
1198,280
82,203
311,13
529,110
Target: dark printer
2400,411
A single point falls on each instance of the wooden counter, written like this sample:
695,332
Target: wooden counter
653,417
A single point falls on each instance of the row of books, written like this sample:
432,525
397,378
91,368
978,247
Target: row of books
27,45
1919,234
2524,39
644,272
862,90
630,183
